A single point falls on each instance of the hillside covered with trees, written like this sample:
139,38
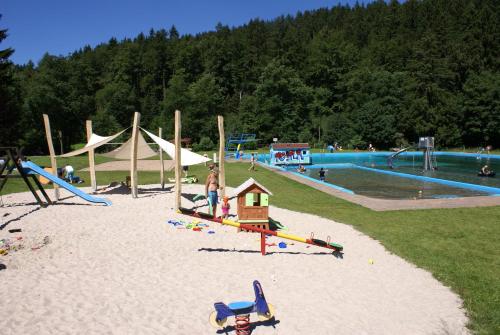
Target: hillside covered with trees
384,73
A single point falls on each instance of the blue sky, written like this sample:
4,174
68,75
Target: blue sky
62,26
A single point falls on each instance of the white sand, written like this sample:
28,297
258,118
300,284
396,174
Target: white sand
124,270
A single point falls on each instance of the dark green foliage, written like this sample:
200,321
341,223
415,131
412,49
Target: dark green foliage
9,96
383,73
481,99
205,144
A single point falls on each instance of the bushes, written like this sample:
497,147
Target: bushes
204,144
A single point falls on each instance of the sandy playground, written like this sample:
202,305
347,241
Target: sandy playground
91,269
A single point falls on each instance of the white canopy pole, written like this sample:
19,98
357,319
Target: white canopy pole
53,162
222,176
93,182
177,159
162,166
133,155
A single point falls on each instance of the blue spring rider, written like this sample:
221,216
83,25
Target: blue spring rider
241,311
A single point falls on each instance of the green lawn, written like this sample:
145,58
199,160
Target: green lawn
459,246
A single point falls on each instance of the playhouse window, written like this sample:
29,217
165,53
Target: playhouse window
252,199
256,199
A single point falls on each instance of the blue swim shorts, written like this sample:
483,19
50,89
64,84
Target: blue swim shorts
212,195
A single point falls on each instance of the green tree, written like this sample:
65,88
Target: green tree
9,101
118,100
205,99
283,103
481,109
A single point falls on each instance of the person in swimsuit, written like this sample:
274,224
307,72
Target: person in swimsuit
252,163
211,186
225,207
322,174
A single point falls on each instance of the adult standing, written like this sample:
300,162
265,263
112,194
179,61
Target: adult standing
211,186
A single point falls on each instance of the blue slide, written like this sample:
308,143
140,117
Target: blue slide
30,168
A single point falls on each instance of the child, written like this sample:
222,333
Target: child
322,174
252,163
225,207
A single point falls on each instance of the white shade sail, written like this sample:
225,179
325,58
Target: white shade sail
94,142
187,157
123,151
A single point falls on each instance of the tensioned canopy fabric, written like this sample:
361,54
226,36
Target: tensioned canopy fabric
94,142
187,157
123,151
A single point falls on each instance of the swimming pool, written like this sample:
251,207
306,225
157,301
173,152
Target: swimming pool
369,174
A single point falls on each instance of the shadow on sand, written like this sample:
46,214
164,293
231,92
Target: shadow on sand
269,323
122,189
336,254
6,223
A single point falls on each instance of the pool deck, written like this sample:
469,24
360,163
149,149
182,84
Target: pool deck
377,204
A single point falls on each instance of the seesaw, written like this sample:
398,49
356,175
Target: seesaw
241,310
263,232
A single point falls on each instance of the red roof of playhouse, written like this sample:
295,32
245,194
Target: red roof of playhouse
291,146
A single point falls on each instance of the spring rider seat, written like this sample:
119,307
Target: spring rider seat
241,310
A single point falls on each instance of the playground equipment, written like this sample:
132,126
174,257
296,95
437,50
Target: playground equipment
263,232
235,143
186,180
14,161
11,160
394,155
241,310
253,204
135,148
32,168
427,145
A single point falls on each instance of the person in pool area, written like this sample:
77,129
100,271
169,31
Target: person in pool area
225,207
252,163
211,186
322,174
485,171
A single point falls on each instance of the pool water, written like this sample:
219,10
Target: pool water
369,174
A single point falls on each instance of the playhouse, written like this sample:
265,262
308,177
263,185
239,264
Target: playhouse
290,153
253,204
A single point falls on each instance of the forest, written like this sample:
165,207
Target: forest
383,73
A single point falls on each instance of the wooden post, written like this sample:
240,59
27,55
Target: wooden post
93,182
133,155
53,162
59,135
162,177
222,175
177,142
